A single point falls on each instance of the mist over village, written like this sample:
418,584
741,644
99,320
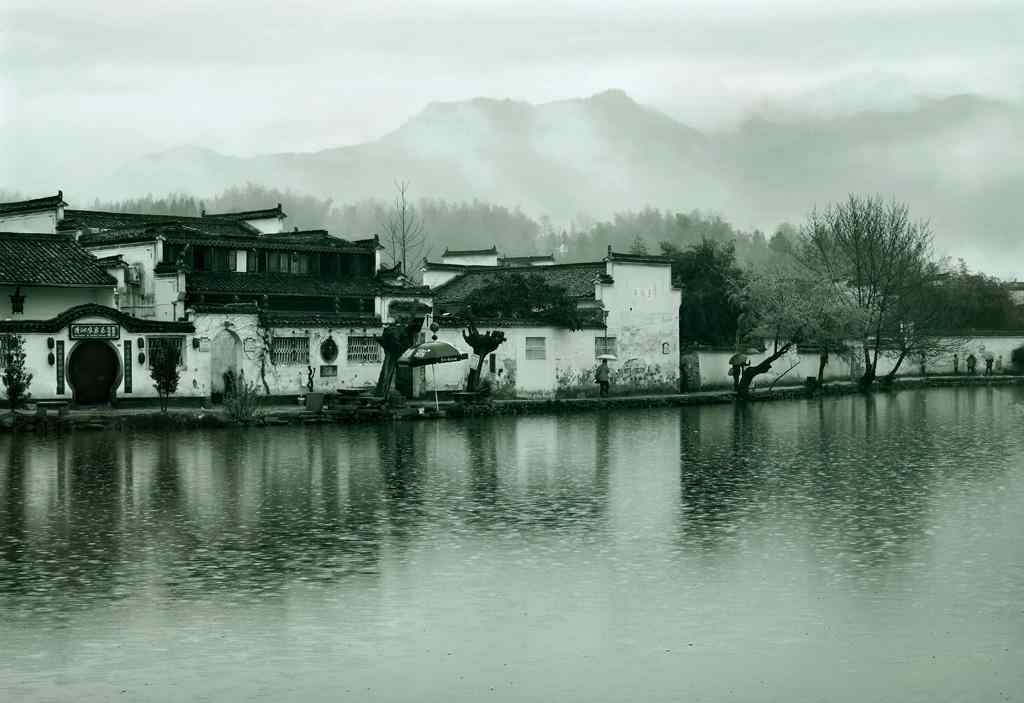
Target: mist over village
459,351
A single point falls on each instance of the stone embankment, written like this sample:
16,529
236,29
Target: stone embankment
190,418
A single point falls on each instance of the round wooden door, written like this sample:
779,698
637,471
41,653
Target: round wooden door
92,372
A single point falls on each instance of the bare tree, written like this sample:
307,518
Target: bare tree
872,254
922,327
405,237
786,307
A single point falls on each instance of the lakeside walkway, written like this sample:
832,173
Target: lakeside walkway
281,414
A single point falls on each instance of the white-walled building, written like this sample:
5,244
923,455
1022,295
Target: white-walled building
632,309
61,300
236,292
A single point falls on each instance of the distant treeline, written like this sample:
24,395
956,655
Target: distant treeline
475,224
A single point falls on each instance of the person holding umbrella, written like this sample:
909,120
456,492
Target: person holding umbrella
736,363
603,376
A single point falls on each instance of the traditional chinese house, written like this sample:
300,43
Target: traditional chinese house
629,310
62,301
232,292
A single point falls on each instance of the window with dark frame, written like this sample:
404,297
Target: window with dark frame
536,348
605,345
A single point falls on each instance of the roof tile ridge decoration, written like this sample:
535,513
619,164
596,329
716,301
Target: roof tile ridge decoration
130,324
639,258
467,252
528,257
476,268
71,213
33,204
258,214
136,220
453,321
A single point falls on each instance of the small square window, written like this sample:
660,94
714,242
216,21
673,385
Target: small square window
536,348
605,345
363,350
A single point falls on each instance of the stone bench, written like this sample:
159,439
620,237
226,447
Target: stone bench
44,406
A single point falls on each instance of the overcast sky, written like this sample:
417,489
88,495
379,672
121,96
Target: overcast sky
95,82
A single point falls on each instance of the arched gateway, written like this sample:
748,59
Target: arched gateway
94,372
225,358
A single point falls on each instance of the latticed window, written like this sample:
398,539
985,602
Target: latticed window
363,350
604,345
289,351
536,348
166,345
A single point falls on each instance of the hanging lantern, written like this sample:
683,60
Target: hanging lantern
17,301
141,343
51,359
49,342
142,358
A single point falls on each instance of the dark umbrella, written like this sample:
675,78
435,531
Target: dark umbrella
429,354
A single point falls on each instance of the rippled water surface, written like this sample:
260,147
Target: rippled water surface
856,549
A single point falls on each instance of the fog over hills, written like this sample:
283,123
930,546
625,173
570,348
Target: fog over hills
956,160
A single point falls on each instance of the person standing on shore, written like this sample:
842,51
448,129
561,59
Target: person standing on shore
603,376
972,361
956,364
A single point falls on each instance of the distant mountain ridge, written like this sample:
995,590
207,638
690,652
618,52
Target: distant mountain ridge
956,160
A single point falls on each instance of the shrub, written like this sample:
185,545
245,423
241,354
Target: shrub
241,403
1017,358
163,369
15,378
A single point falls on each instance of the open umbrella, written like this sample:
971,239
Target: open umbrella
429,354
608,357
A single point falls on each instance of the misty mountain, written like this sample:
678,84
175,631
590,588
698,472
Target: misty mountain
956,161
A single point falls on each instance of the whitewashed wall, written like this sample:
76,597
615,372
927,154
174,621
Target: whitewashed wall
35,222
157,300
286,379
434,278
643,316
44,376
471,260
48,302
714,365
268,225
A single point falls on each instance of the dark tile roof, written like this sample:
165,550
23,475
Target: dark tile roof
371,243
576,279
313,318
100,221
225,233
246,308
130,324
455,321
639,258
248,214
48,203
48,260
110,261
438,266
149,231
469,252
290,284
520,260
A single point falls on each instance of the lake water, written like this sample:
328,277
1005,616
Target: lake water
851,549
